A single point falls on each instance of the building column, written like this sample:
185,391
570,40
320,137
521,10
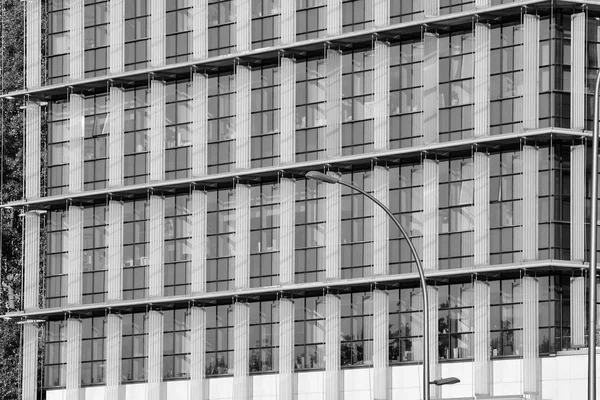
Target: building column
381,13
288,22
381,320
242,236
34,44
577,199
114,239
156,135
116,122
481,332
333,221
431,56
30,361
242,118
531,357
76,40
33,152
73,358
481,209
578,64
531,66
287,92
333,385
31,267
199,125
197,325
116,36
287,231
113,344
381,95
157,33
381,231
199,29
431,187
241,350
75,255
481,81
530,203
286,349
198,241
431,8
156,389
243,13
334,17
333,84
578,307
156,242
76,134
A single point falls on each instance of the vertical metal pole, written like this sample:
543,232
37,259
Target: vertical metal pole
593,255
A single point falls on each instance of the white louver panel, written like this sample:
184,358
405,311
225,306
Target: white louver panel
116,125
76,39
288,22
73,359
116,36
31,267
287,230
200,29
34,43
114,241
577,199
481,81
334,17
431,8
531,65
333,83
333,215
33,156
482,3
481,208
197,326
578,306
156,140
481,347
30,362
286,349
242,117
332,346
578,64
530,203
155,390
156,246
531,339
381,13
199,125
381,319
242,236
113,344
243,12
381,95
381,234
198,241
430,89
288,109
157,33
431,182
76,134
75,255
241,350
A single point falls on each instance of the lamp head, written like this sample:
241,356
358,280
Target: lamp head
446,381
320,177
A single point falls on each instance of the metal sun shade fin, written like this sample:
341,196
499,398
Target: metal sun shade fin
481,81
531,360
381,320
200,29
198,241
116,125
199,135
431,8
286,349
197,328
114,238
481,347
156,140
333,84
288,22
334,17
116,36
482,3
33,156
578,307
381,185
287,231
155,389
76,39
530,203
381,96
288,110
30,362
34,44
156,246
333,216
75,256
531,64
31,267
577,199
431,88
578,64
157,33
332,346
481,209
113,344
243,12
242,236
76,135
430,213
243,78
73,359
241,350
381,13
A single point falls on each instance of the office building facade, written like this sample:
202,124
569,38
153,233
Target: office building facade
174,249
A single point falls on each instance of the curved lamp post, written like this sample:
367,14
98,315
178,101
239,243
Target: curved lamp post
318,176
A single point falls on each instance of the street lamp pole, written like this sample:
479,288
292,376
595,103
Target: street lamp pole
593,255
426,382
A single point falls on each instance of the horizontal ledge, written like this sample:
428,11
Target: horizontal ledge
315,288
410,28
296,168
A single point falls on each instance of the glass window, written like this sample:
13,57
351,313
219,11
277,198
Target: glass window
221,27
135,249
311,118
92,350
221,123
309,332
357,15
178,129
264,235
177,245
135,136
57,180
137,43
56,256
311,19
356,328
55,354
134,352
220,240
94,254
264,145
95,142
219,340
176,363
265,23
264,336
96,38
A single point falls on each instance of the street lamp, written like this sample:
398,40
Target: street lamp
320,177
